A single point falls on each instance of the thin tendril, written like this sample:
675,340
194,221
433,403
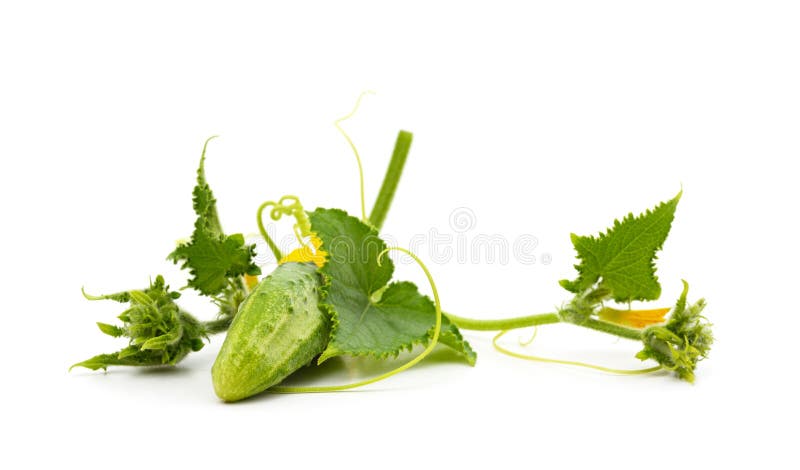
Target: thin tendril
287,205
276,252
299,236
569,363
432,344
90,296
528,342
355,151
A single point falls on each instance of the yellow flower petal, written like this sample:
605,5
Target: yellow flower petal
250,281
634,318
305,254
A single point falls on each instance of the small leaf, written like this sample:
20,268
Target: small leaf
164,341
140,297
121,297
622,260
212,258
111,330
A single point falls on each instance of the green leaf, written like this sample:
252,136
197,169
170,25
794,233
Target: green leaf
369,317
102,361
622,260
213,258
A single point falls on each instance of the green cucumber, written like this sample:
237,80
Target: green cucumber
278,329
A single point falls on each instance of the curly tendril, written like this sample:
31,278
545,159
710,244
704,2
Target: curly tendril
287,205
564,362
355,150
528,342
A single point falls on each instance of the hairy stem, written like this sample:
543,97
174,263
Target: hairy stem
542,319
392,178
613,329
217,326
505,323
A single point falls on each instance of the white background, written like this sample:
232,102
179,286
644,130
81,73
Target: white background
542,118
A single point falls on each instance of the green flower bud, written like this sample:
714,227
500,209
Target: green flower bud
683,341
159,332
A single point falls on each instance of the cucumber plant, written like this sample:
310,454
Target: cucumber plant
334,296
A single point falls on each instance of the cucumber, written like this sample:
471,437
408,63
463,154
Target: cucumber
278,329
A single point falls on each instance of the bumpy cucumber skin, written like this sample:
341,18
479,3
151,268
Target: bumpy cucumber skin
278,329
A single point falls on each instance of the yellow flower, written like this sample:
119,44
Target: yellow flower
305,254
634,318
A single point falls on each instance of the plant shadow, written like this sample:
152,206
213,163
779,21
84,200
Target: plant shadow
345,370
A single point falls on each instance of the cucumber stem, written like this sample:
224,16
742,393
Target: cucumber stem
505,323
217,326
542,319
391,179
613,329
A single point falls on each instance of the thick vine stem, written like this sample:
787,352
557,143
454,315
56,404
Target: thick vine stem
542,319
505,323
392,178
612,328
